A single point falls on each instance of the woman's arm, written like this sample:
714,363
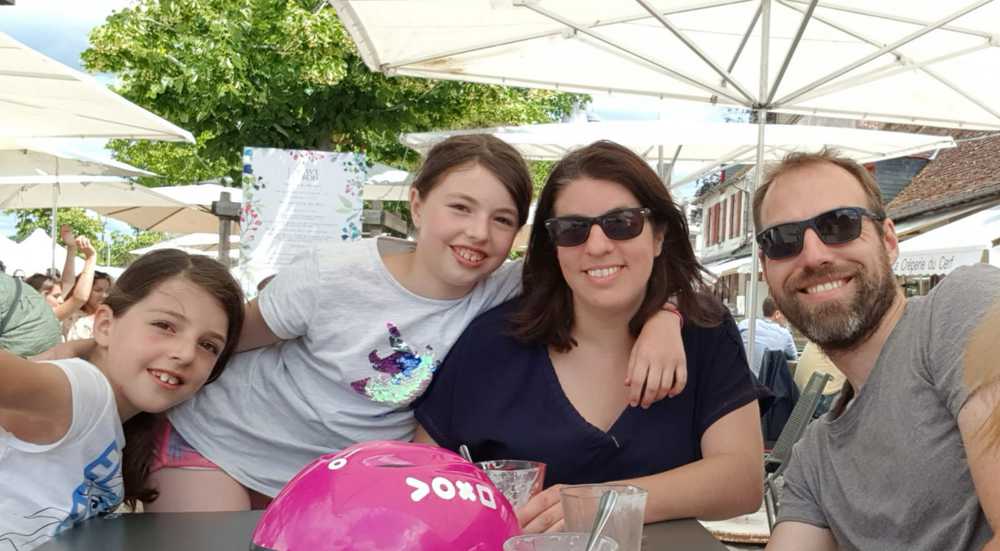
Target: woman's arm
69,267
84,284
35,400
728,481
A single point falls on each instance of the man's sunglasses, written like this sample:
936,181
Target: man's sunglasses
620,225
833,228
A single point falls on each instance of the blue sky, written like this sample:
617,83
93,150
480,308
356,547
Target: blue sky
59,29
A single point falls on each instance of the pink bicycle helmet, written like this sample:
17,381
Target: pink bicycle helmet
387,495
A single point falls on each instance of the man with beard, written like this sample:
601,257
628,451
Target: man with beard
900,462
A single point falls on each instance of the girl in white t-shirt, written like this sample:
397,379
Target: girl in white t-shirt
165,330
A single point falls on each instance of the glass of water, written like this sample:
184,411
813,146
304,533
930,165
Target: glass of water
579,505
516,479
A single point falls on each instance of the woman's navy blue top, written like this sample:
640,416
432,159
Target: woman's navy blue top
502,398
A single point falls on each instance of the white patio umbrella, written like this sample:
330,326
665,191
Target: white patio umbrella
712,145
93,192
919,62
386,183
40,97
190,210
44,158
207,243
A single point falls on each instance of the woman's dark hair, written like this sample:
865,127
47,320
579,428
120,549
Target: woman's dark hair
98,275
41,282
545,315
135,284
486,151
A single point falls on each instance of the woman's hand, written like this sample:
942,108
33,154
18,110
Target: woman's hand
543,512
84,245
68,239
657,366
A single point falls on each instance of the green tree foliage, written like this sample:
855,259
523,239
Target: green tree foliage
280,73
30,220
115,253
122,243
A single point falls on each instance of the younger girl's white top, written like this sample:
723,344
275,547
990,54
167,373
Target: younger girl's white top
45,489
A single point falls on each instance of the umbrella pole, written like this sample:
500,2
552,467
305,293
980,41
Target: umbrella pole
52,224
765,38
754,265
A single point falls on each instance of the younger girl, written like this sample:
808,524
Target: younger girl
348,336
166,329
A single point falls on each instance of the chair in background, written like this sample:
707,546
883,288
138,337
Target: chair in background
776,460
775,375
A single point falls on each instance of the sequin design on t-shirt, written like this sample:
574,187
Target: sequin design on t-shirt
402,376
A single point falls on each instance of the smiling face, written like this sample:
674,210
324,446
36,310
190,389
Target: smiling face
605,275
466,225
162,350
835,294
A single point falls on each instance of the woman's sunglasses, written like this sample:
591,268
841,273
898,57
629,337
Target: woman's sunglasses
620,225
833,228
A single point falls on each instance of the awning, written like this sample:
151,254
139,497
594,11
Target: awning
960,243
730,266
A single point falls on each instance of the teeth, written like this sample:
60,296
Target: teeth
603,272
167,378
469,255
825,287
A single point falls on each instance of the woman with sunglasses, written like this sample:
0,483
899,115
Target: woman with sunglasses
538,377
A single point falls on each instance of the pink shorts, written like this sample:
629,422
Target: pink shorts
174,452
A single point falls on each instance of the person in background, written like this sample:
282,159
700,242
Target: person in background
771,334
51,288
811,361
80,325
27,324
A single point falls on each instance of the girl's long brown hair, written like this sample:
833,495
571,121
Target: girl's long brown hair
135,284
545,315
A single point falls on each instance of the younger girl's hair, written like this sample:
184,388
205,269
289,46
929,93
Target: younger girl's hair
135,284
489,152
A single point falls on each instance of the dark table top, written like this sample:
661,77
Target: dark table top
231,531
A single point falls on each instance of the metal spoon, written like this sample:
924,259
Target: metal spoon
463,450
604,509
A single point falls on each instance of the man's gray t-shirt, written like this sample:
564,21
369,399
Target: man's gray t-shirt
891,472
359,349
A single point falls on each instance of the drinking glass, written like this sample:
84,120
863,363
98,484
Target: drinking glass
563,541
517,480
579,505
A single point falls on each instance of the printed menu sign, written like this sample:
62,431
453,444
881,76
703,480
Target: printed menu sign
292,200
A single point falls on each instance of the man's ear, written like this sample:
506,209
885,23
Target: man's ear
104,321
890,240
